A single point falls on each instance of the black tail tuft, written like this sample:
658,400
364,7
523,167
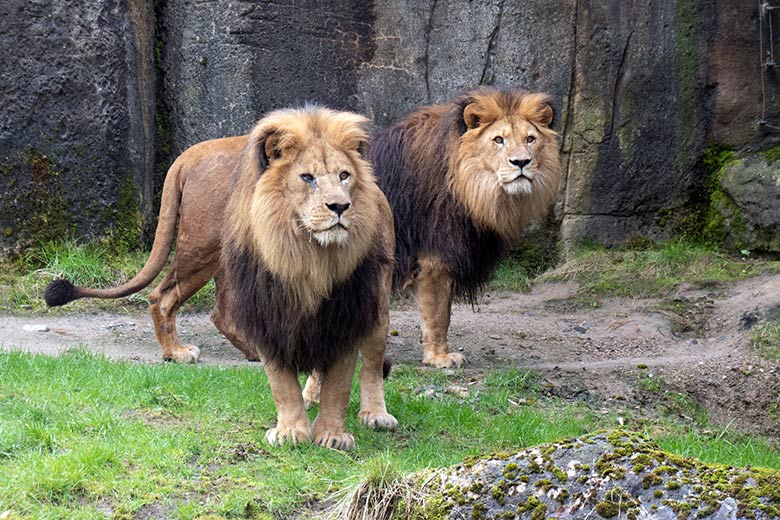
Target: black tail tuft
59,292
387,364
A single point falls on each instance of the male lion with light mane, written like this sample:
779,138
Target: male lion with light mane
464,178
300,240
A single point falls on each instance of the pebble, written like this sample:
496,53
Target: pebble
38,327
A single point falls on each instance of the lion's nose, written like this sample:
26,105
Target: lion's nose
338,209
520,163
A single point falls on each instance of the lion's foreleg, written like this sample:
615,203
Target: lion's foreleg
292,423
329,426
434,287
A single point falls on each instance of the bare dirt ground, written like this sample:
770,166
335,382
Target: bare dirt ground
633,352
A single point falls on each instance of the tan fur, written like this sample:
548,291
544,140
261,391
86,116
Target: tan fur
286,222
196,192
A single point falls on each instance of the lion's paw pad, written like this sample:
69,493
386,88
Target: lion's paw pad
378,420
450,360
336,441
293,436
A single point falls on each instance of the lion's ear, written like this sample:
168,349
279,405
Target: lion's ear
546,115
354,130
364,148
271,148
265,146
472,116
540,109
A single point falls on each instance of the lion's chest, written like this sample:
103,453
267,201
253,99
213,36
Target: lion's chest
272,321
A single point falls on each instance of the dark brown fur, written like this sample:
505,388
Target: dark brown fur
262,309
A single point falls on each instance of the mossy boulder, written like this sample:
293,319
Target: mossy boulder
606,475
745,210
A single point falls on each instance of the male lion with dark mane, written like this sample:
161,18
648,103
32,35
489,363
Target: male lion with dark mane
465,179
301,241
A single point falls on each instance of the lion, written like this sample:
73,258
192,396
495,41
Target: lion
292,226
464,179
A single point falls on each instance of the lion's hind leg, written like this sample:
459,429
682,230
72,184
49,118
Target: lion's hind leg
311,391
373,410
164,301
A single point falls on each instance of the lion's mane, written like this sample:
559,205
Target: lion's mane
422,165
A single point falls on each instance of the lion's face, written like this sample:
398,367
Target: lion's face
320,183
507,166
512,151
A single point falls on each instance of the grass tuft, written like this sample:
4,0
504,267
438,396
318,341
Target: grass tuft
766,340
376,496
653,271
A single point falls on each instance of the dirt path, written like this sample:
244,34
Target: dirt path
627,350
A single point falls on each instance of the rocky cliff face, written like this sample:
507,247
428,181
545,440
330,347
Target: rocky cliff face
76,124
643,89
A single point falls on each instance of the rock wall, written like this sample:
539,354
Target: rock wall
77,120
643,89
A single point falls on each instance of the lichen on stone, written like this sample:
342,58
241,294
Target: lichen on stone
608,475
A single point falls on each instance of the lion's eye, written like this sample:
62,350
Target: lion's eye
308,178
530,139
343,176
498,139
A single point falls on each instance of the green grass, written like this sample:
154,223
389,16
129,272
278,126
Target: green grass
766,340
84,437
528,260
654,270
23,281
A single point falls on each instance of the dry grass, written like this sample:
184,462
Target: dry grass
653,271
380,498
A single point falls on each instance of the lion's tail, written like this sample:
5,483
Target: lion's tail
62,291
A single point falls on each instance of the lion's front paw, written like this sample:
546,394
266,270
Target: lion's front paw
278,436
184,354
378,420
449,360
335,440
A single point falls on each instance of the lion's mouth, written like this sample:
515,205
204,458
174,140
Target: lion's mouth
336,226
336,234
520,184
518,177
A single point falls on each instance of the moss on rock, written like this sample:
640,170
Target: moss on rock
526,485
